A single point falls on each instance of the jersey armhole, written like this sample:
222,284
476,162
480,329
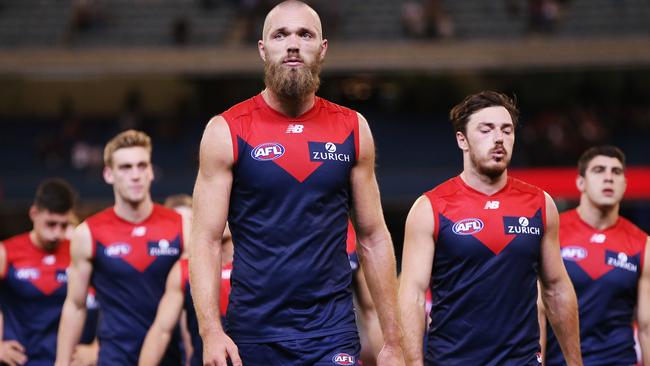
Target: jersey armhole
434,212
356,137
544,211
233,139
5,270
644,248
184,274
93,244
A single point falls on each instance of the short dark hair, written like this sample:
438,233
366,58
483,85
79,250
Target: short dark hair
460,114
604,150
55,195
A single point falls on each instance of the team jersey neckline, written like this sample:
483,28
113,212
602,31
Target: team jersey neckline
142,222
574,212
259,100
505,189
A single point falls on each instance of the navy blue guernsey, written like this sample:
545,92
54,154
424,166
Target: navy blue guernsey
484,278
605,267
289,218
32,293
131,262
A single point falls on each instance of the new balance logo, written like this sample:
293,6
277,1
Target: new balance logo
598,238
295,128
491,205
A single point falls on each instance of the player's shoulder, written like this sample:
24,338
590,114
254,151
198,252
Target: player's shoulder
443,190
520,186
633,230
243,108
164,213
15,242
333,108
103,216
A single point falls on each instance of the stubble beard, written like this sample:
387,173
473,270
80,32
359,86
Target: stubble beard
491,171
292,83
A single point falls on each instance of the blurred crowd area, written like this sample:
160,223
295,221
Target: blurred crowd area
96,23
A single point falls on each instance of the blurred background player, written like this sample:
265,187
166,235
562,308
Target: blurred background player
607,259
285,168
491,235
127,250
33,278
177,300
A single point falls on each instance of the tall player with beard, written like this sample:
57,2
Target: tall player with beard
127,250
607,259
286,168
492,236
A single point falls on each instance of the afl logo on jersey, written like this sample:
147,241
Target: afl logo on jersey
28,274
267,151
343,359
117,250
574,253
467,227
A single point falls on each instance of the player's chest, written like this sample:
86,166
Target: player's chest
493,224
35,277
600,256
137,248
295,151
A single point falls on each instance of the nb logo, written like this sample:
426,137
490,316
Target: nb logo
295,128
491,205
598,238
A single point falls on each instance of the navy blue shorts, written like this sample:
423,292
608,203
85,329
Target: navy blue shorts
332,350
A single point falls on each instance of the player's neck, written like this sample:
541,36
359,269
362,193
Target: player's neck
290,107
600,218
134,212
36,241
483,183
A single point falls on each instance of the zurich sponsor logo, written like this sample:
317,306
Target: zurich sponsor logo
163,248
467,227
622,261
343,359
574,253
520,225
267,151
117,250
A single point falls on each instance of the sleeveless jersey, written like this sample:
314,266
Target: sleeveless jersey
484,278
188,305
605,267
131,262
289,217
33,290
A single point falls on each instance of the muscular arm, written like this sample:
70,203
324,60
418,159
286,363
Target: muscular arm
643,307
417,262
557,294
375,249
169,311
73,314
368,317
210,209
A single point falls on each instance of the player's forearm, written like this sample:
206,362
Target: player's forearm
644,342
378,263
205,265
372,329
155,343
73,316
562,312
413,323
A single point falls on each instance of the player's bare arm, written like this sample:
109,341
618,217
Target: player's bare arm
73,314
167,315
210,210
367,312
643,307
417,262
557,292
375,249
11,352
